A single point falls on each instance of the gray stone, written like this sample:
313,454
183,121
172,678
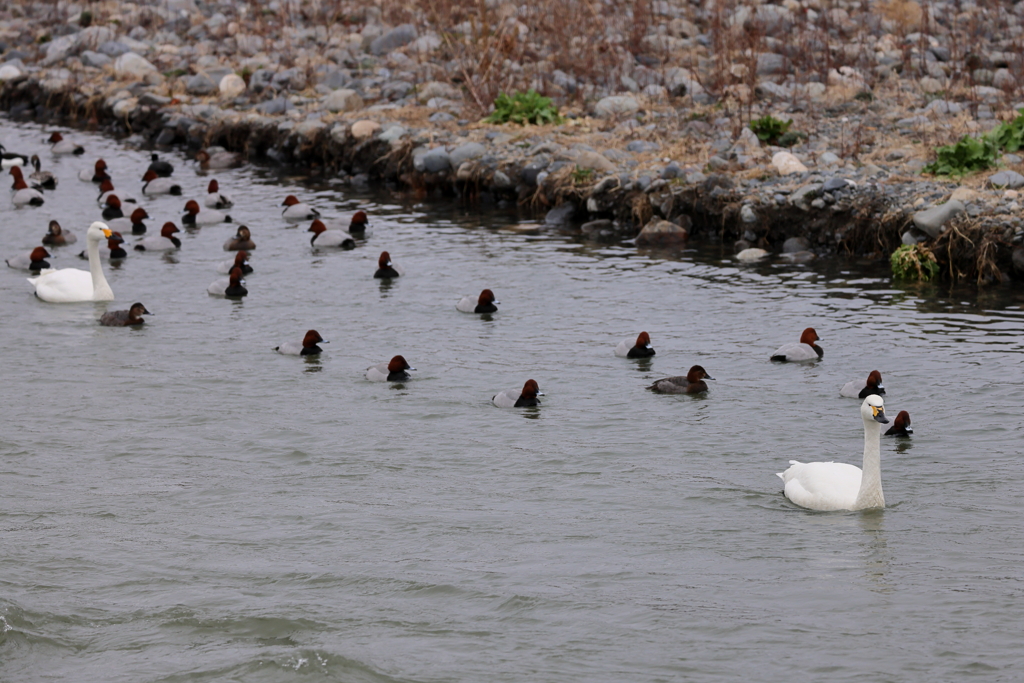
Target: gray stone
561,214
113,48
717,163
833,184
793,245
532,170
131,65
803,197
343,99
396,90
931,220
433,161
598,228
278,105
440,117
770,64
292,79
463,153
261,80
153,100
95,59
200,84
662,233
339,78
393,39
393,134
747,214
642,146
1006,180
501,181
594,162
829,159
616,105
671,171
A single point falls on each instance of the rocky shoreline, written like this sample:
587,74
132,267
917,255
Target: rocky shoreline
658,159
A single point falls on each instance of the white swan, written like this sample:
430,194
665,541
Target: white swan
836,485
69,285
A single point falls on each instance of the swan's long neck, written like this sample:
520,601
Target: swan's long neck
100,289
870,494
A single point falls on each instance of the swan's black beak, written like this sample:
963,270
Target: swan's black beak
879,414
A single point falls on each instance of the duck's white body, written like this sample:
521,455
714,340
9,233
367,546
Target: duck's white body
837,486
290,348
22,261
161,186
378,372
334,238
853,388
211,217
297,213
797,353
219,286
69,285
156,243
467,304
625,346
66,147
225,266
217,200
27,196
122,225
507,398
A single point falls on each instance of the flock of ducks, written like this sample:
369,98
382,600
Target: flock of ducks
816,485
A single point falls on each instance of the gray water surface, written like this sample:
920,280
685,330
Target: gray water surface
180,503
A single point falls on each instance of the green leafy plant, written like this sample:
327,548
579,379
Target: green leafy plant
769,129
85,19
524,108
966,156
914,262
582,175
1008,136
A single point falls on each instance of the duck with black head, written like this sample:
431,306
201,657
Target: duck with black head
386,268
165,241
800,352
307,347
642,348
9,159
901,425
692,383
394,370
160,167
519,398
484,303
862,389
129,318
33,261
57,236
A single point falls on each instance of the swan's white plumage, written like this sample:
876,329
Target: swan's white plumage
69,285
838,486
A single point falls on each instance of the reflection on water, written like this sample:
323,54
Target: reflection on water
878,559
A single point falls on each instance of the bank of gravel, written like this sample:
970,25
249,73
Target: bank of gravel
657,165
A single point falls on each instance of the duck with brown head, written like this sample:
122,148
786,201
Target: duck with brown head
242,240
231,287
642,348
112,250
307,347
322,237
165,241
129,318
863,389
359,225
484,303
33,261
386,268
113,208
240,261
215,199
155,184
57,236
58,145
18,177
195,218
901,425
23,194
296,211
519,398
394,370
134,224
692,383
800,352
97,174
